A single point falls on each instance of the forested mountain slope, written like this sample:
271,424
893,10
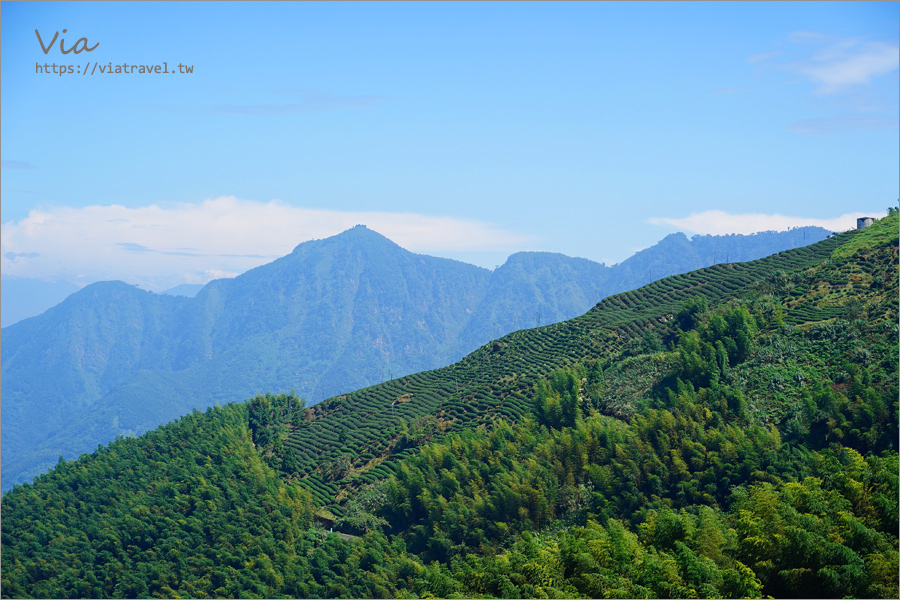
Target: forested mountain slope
730,432
497,380
334,315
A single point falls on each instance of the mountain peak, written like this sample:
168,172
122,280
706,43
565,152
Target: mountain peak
357,233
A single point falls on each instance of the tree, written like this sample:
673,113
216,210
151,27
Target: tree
291,462
361,509
337,468
691,311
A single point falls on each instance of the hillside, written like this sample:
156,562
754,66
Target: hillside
334,315
497,380
730,432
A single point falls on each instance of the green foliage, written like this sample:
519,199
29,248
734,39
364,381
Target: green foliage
695,493
360,515
337,468
755,457
691,311
270,420
181,502
557,403
803,539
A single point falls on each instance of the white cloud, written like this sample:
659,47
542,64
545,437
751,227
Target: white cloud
763,57
800,36
162,246
717,222
828,126
850,78
833,64
846,63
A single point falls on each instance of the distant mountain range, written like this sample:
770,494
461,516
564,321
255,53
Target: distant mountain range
334,315
24,297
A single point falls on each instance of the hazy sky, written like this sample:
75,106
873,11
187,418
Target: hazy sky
468,130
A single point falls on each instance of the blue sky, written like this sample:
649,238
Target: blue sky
466,130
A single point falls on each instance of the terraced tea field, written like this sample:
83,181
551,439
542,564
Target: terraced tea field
377,426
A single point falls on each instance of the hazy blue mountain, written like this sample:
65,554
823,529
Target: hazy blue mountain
23,298
532,289
539,288
676,253
185,289
334,315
